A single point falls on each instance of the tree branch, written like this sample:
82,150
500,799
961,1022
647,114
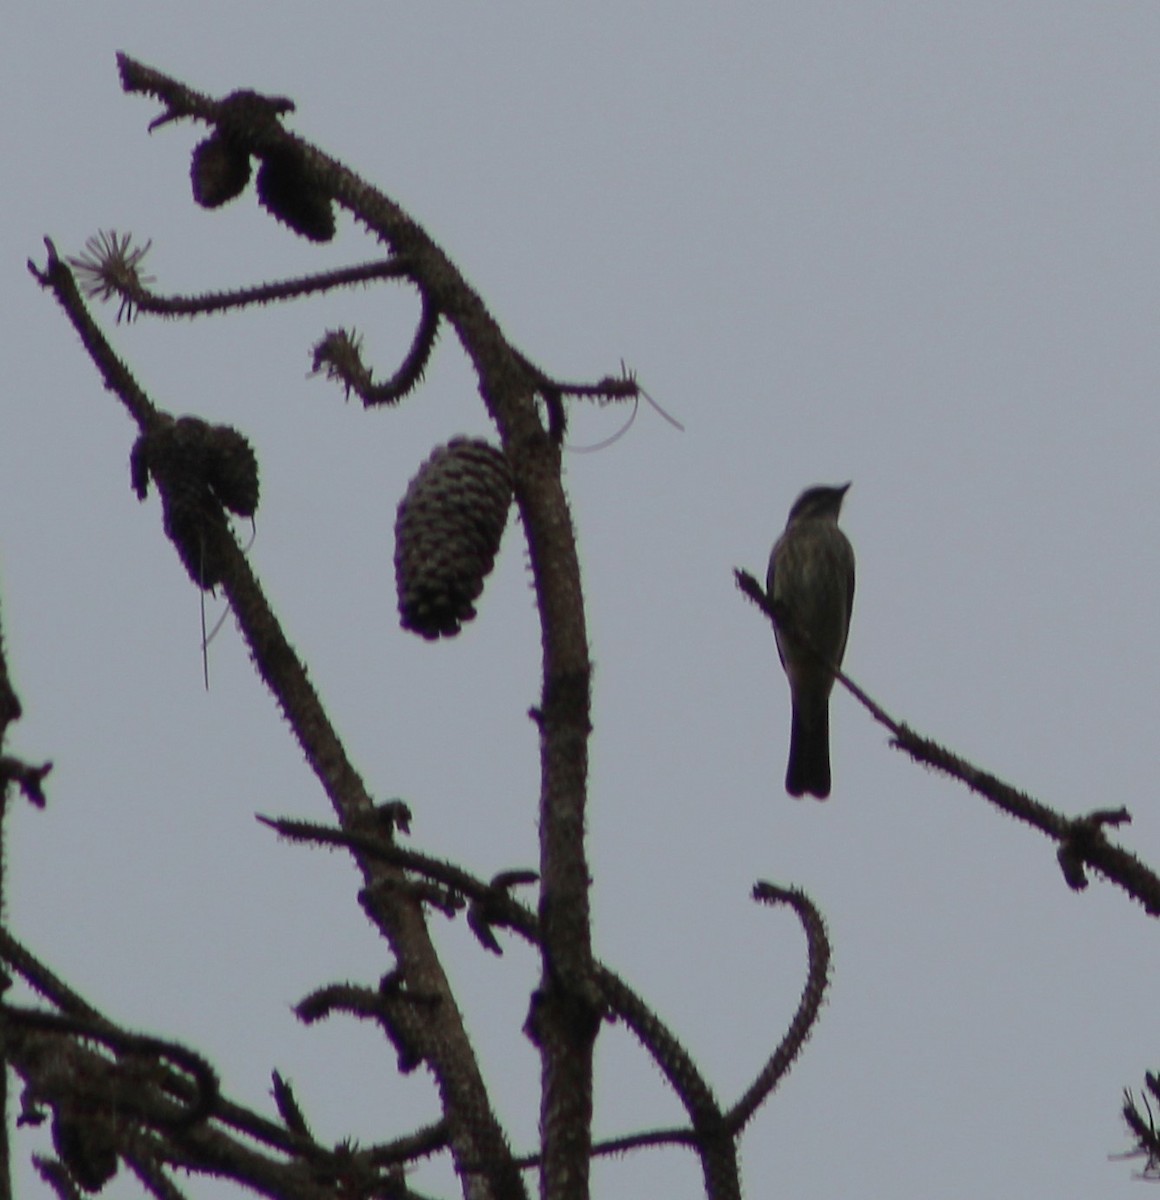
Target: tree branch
568,1001
709,1134
1082,842
476,1135
807,1013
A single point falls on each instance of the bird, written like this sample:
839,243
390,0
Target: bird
811,579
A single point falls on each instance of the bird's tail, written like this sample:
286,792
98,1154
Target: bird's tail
808,771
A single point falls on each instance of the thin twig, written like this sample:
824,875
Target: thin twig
102,275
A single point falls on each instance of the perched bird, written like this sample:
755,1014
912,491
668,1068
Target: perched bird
811,574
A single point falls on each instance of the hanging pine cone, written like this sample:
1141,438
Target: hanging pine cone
83,1138
219,171
199,469
231,470
285,189
447,534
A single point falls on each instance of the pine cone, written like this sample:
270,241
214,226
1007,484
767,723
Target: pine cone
285,190
447,534
231,470
219,171
198,468
83,1139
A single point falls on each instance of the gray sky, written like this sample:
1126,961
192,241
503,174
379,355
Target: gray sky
906,244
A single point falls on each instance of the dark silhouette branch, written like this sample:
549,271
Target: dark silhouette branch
151,1175
28,778
718,1154
397,1009
105,1109
411,1147
1082,842
182,1122
29,781
477,1135
56,1175
9,701
43,980
288,1107
568,1008
117,377
111,266
810,1005
137,1046
339,354
1141,1122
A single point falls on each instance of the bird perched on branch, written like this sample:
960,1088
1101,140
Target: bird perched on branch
811,581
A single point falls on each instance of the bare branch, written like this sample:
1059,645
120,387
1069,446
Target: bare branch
152,1177
205,1090
29,779
1082,840
44,980
810,1005
339,354
477,1135
57,277
569,999
110,267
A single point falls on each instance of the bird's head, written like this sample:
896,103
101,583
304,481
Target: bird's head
821,501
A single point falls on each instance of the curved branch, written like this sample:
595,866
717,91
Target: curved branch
803,1021
135,1044
339,354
